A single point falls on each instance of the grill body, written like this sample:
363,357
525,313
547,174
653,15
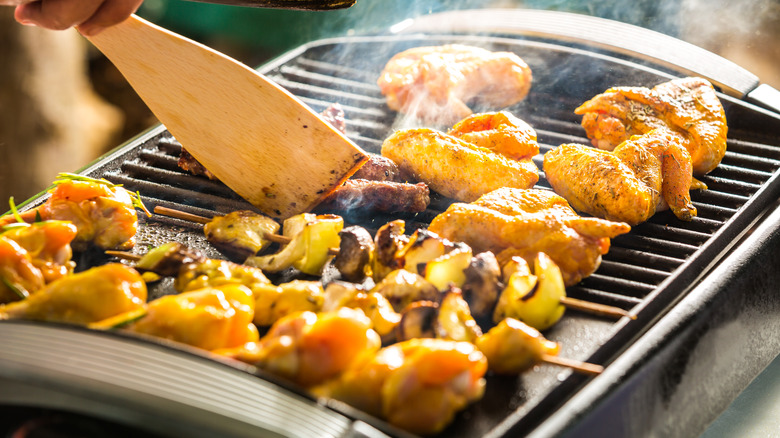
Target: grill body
701,290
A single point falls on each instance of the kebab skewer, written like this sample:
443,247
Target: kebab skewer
358,254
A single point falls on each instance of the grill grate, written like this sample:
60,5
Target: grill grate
647,270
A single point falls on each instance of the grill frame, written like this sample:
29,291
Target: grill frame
653,307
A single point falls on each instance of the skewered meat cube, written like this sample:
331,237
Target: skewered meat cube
103,213
83,298
436,84
209,318
418,385
309,348
455,168
273,302
688,107
512,347
644,174
240,234
527,222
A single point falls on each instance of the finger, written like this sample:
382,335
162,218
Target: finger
109,14
56,14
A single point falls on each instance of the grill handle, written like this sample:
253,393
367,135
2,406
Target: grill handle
626,39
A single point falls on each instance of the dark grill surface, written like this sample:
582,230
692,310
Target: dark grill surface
646,271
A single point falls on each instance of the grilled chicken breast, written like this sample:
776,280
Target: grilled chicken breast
437,83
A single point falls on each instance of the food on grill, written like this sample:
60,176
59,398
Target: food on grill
104,213
334,114
418,385
481,283
209,318
240,234
688,107
32,255
356,250
378,168
642,175
526,222
531,297
448,319
83,298
455,168
309,348
19,277
273,302
512,347
376,307
311,238
501,132
361,196
402,288
437,84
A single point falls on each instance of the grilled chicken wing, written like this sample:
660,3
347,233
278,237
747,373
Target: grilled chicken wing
456,168
525,222
436,83
642,175
688,107
418,385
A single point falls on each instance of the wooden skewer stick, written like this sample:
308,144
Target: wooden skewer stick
581,367
124,255
599,309
585,306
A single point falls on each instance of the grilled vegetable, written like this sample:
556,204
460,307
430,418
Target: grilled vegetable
311,238
422,247
213,272
532,298
167,259
240,234
356,250
451,319
482,283
274,302
19,277
448,269
512,347
418,320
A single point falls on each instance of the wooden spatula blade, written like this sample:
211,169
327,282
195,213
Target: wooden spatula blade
252,134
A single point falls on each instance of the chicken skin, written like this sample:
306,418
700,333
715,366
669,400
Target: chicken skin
688,107
501,132
514,222
642,175
456,168
436,84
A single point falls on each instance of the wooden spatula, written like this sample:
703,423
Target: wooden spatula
252,134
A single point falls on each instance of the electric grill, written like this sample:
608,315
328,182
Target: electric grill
702,291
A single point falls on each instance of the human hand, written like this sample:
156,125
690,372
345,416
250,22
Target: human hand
90,16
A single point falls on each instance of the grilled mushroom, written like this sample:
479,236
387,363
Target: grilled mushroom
418,320
482,284
355,251
402,288
388,241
